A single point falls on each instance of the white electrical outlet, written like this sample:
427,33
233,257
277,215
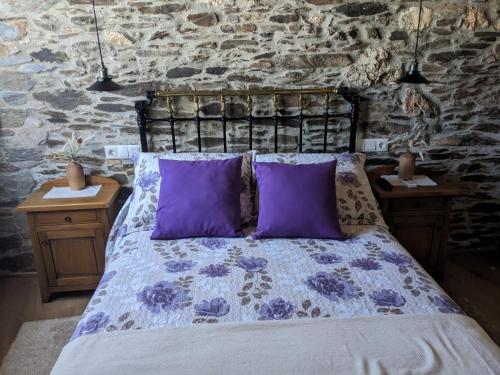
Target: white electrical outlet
373,144
120,151
382,144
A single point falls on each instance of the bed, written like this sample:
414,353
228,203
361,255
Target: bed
247,306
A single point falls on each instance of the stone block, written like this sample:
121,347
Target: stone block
13,98
475,18
113,107
168,8
324,2
47,55
408,19
119,38
447,56
314,61
68,99
203,19
12,118
284,18
16,81
14,60
217,70
12,30
398,35
416,105
182,72
361,9
372,67
236,43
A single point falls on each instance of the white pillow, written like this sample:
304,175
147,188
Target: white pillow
144,200
356,204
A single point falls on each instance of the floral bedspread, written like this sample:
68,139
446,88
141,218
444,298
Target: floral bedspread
151,284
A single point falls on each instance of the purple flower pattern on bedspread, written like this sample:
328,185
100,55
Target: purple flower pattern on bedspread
387,297
348,178
276,309
216,307
215,270
446,305
93,324
213,243
366,264
163,295
151,284
148,180
327,258
398,259
106,278
179,266
331,286
252,264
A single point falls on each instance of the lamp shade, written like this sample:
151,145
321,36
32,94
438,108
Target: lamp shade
413,75
104,83
107,85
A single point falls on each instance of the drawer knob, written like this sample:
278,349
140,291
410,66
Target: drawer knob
44,243
67,219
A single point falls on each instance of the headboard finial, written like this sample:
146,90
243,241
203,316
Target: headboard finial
196,104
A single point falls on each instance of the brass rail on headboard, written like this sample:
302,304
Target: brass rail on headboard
263,92
144,121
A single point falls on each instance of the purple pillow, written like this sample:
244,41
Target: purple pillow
297,201
199,199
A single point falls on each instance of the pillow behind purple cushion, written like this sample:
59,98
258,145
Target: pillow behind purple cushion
199,199
297,201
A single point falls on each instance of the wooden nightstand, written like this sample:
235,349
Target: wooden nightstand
69,236
418,218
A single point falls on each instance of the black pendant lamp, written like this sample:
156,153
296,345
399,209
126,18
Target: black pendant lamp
413,74
104,82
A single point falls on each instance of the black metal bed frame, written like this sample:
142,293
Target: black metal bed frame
144,121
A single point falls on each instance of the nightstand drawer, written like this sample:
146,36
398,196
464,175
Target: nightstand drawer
406,204
66,217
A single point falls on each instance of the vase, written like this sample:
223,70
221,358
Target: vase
407,166
76,177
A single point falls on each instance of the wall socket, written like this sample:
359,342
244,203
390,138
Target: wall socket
120,151
373,144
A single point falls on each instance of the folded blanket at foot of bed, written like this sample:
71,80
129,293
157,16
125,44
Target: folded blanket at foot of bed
416,344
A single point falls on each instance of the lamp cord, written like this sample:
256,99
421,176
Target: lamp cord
97,33
418,29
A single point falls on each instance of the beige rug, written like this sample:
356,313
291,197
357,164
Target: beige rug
37,346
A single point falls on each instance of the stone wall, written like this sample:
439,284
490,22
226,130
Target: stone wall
48,57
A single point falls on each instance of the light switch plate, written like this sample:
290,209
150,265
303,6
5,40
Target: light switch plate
373,144
120,151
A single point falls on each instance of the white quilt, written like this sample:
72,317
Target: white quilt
153,284
412,344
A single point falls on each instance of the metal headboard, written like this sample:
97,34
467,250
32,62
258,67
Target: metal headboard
145,121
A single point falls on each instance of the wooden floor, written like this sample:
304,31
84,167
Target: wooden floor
20,302
473,281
